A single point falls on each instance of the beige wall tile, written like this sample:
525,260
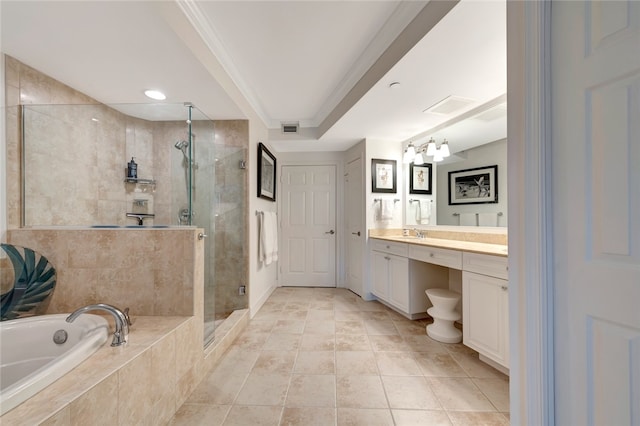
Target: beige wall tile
134,391
97,407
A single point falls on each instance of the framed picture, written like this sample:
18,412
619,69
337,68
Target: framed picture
383,175
266,173
474,186
420,179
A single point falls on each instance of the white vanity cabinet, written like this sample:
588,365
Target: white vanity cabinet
400,282
485,306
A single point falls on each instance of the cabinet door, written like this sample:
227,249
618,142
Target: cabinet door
399,282
380,271
485,310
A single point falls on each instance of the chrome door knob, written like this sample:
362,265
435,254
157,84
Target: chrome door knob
330,232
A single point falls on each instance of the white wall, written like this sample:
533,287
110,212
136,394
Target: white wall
494,153
384,150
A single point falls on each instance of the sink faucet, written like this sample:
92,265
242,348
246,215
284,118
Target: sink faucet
419,233
121,318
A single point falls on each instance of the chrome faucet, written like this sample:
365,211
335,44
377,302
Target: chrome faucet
121,318
141,217
419,233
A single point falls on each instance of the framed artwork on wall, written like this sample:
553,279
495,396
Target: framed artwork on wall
266,173
383,176
474,186
420,179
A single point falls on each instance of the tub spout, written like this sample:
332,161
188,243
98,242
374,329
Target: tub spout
121,319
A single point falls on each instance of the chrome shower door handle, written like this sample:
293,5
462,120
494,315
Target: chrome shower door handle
202,236
356,233
330,232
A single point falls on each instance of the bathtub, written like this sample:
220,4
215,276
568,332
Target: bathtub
30,360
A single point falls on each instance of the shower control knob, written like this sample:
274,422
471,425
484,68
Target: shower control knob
202,236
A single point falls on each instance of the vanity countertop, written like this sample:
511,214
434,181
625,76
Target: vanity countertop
468,246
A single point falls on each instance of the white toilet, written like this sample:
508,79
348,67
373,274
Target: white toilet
444,315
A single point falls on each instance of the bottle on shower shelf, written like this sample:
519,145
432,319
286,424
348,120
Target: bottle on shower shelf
132,169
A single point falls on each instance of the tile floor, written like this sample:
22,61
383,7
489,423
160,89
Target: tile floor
325,357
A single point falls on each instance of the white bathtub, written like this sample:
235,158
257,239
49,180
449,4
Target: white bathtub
30,360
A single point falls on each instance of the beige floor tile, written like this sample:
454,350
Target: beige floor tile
312,391
315,362
459,348
320,327
268,314
350,327
375,316
345,305
364,417
321,314
380,327
238,360
352,342
438,365
318,342
251,341
410,393
476,368
296,305
424,344
255,416
308,416
397,364
410,328
388,343
270,362
200,415
262,389
261,325
347,315
288,326
459,394
282,342
219,387
497,390
324,305
460,418
294,315
356,362
421,418
360,392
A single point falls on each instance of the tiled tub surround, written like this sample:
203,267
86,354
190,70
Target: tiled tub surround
157,273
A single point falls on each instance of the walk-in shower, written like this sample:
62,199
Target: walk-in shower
188,175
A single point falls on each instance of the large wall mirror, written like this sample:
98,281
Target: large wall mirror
470,185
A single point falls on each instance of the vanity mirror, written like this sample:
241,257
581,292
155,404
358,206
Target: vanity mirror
476,140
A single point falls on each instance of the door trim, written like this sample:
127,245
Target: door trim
530,223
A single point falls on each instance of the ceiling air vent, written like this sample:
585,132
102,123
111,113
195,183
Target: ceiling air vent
289,127
449,105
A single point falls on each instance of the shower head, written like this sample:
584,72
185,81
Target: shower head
181,144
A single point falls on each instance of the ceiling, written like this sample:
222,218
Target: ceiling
327,65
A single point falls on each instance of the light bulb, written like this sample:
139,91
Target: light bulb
437,157
406,158
419,160
411,150
431,148
444,149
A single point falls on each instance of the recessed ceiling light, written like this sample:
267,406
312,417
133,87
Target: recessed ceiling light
155,94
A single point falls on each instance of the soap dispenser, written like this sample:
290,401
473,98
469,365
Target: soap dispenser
132,169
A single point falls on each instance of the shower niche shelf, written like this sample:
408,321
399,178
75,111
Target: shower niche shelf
146,185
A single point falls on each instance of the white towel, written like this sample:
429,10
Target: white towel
487,219
386,209
468,219
424,206
268,249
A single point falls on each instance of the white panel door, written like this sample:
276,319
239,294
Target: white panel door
354,204
308,226
596,211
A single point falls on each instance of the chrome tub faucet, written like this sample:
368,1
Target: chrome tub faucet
121,318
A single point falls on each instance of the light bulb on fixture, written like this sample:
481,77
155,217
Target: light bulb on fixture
437,157
444,149
431,147
419,160
411,150
406,158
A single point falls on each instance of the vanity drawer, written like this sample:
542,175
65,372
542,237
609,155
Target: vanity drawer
399,249
437,256
486,264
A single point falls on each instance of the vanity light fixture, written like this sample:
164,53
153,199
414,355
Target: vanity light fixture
409,153
419,160
437,157
431,147
155,94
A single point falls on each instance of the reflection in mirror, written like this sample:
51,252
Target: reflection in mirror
477,142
